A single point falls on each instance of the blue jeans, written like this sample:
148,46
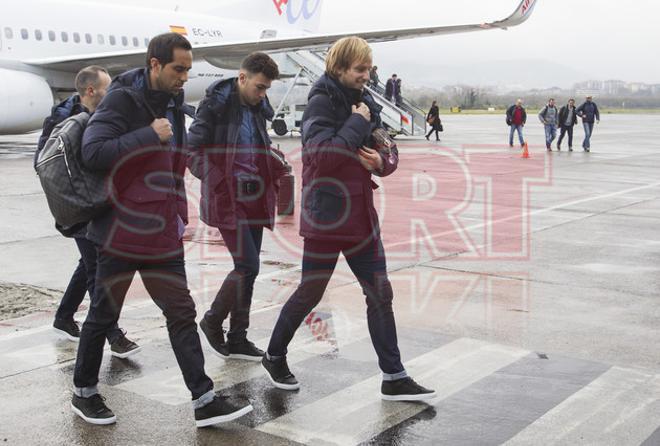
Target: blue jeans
588,131
513,129
166,283
368,265
235,294
550,134
81,282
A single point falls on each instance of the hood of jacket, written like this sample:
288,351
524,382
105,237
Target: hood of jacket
225,93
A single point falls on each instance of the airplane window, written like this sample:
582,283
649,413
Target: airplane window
24,34
146,41
100,39
76,37
113,40
124,40
136,42
9,33
88,38
51,36
37,34
65,37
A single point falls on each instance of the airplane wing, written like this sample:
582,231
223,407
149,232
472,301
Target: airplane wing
118,61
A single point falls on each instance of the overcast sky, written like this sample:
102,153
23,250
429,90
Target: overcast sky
581,39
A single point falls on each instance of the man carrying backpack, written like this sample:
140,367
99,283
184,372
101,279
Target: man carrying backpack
549,117
91,84
137,137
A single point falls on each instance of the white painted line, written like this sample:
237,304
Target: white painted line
357,413
167,386
621,407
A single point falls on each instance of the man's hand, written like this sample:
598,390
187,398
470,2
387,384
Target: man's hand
370,159
163,129
362,110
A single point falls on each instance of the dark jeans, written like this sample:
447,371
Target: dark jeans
437,134
166,283
368,265
566,129
82,281
235,294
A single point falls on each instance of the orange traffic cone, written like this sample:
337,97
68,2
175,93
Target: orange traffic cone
525,153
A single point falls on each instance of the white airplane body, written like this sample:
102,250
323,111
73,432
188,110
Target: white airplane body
44,43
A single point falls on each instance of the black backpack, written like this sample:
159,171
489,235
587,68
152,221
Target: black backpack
75,195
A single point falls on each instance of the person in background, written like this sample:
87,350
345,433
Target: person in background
549,117
567,120
589,114
433,119
516,117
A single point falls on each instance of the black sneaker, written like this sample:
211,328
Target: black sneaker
220,410
92,409
245,350
123,348
216,338
558,148
67,328
586,149
279,373
570,149
404,389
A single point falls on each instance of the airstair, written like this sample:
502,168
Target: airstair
405,118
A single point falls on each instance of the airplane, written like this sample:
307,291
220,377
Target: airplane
43,44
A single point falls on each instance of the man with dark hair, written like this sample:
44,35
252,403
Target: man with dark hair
91,84
137,135
338,215
231,154
567,120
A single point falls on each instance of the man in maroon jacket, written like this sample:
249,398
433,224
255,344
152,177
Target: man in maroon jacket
516,117
339,216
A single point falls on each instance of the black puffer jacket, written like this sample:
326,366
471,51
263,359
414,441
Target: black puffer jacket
149,208
337,201
213,144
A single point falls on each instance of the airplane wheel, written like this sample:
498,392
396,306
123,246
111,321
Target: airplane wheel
279,127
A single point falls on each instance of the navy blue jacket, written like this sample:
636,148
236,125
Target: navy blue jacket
149,208
213,142
588,112
337,201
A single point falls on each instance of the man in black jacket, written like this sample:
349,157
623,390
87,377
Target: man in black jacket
567,120
91,84
231,154
339,216
137,135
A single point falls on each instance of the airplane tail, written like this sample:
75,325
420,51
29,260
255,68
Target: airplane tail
293,15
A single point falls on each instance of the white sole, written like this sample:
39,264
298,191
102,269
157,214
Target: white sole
224,418
419,397
65,335
127,354
98,421
282,386
244,357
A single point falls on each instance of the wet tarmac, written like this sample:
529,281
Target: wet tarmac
526,294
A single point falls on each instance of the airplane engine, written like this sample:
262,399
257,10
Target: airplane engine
25,100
